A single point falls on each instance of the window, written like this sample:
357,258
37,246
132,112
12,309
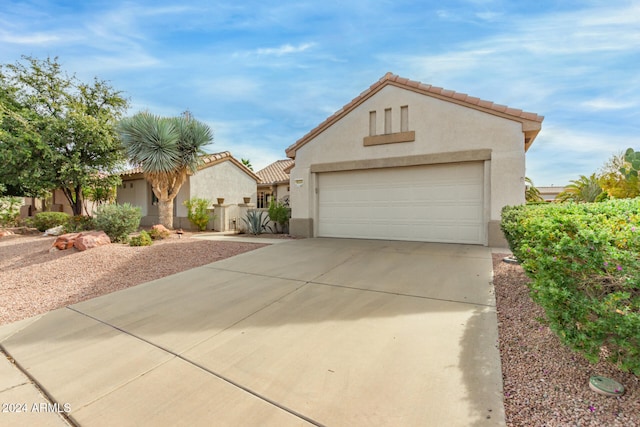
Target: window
264,199
404,118
387,121
372,123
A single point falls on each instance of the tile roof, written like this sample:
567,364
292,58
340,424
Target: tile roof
533,120
275,172
207,161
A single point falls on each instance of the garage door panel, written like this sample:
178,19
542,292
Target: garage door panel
439,203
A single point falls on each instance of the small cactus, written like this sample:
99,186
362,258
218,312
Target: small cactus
633,159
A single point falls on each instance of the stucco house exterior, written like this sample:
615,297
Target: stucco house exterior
549,194
221,176
274,182
410,161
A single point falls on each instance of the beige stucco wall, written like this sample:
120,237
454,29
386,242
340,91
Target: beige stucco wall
224,180
439,126
136,193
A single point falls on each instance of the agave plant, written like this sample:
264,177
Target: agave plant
256,221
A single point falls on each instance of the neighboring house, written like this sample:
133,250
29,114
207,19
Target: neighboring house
409,161
56,202
549,194
221,176
274,183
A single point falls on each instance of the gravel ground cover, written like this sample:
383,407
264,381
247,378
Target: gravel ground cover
546,384
34,280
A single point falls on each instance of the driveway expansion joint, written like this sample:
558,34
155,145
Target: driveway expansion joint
404,295
34,383
203,368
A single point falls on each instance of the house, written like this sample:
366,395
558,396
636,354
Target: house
274,183
221,178
410,161
549,194
55,201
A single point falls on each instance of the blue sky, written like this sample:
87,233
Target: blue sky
264,73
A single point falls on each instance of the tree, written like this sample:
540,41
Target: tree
247,163
167,149
616,178
531,193
56,132
584,189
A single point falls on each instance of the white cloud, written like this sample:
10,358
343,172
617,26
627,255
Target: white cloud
604,104
29,39
284,49
561,154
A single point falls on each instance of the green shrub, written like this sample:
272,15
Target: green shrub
197,212
46,220
585,273
9,211
159,234
118,221
79,223
279,213
256,221
143,239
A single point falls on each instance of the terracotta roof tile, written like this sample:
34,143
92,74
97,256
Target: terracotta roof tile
459,96
472,100
275,172
390,78
208,159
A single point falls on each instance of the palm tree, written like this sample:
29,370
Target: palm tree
585,189
167,150
531,193
247,163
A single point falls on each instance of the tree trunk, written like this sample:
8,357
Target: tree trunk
165,210
74,197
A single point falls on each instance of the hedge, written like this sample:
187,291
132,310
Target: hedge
584,265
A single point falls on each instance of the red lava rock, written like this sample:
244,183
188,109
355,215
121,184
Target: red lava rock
65,241
161,228
91,240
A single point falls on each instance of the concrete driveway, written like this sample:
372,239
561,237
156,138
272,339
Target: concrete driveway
309,332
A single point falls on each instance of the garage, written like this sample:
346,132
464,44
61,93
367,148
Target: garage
405,160
432,203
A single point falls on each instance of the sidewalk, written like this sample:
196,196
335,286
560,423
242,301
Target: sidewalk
228,237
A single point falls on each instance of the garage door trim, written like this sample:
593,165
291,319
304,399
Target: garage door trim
392,162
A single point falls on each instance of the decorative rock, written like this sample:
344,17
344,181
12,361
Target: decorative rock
160,228
5,233
55,231
91,240
66,241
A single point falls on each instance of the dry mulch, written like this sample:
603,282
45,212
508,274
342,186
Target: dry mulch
545,383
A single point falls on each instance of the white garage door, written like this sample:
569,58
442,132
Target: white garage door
435,203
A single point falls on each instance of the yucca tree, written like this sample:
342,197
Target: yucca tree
585,189
167,149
